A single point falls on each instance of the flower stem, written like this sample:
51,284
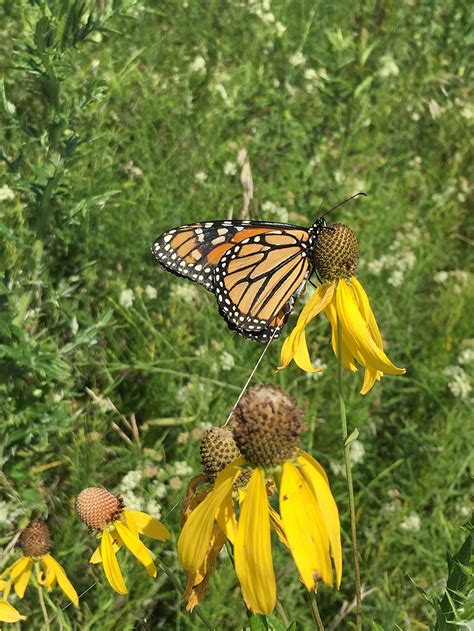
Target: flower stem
315,611
43,607
350,489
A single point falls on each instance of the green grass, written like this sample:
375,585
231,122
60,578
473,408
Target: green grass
103,137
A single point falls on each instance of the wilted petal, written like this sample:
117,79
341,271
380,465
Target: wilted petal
136,547
9,614
196,534
253,550
63,581
304,528
111,566
147,525
329,513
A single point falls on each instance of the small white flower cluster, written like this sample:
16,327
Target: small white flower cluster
198,64
400,258
315,78
200,177
388,67
127,490
132,169
262,9
185,292
150,292
126,298
230,168
275,211
459,381
6,193
297,59
227,361
412,523
458,278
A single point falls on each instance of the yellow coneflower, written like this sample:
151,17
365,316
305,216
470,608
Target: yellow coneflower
343,299
35,542
266,426
117,527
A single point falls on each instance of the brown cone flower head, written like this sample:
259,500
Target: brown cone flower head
266,425
97,507
35,540
336,252
218,449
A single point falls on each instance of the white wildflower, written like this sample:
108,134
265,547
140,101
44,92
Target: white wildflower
198,64
337,468
462,509
230,168
412,523
227,361
460,383
467,112
126,298
153,508
6,193
182,468
466,356
388,68
150,292
356,452
131,480
279,28
160,490
310,74
396,278
132,501
441,277
185,292
200,177
297,59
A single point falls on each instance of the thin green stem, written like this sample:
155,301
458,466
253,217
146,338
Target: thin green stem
178,588
43,606
282,613
350,488
315,611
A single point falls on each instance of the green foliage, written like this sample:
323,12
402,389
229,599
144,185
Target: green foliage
119,120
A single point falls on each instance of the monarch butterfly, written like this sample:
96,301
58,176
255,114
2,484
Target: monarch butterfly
256,269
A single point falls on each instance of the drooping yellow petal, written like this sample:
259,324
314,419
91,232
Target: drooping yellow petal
63,581
20,575
195,537
147,525
8,613
46,576
294,347
305,531
136,547
117,543
111,566
355,331
253,549
226,518
366,310
347,357
329,513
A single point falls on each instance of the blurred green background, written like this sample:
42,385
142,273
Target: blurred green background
120,120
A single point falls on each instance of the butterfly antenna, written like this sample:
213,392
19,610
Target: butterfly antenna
250,377
330,190
340,203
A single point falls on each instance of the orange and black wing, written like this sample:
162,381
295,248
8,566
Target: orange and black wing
256,269
257,281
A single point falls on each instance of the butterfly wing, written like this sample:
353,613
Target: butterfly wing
256,269
194,250
258,279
